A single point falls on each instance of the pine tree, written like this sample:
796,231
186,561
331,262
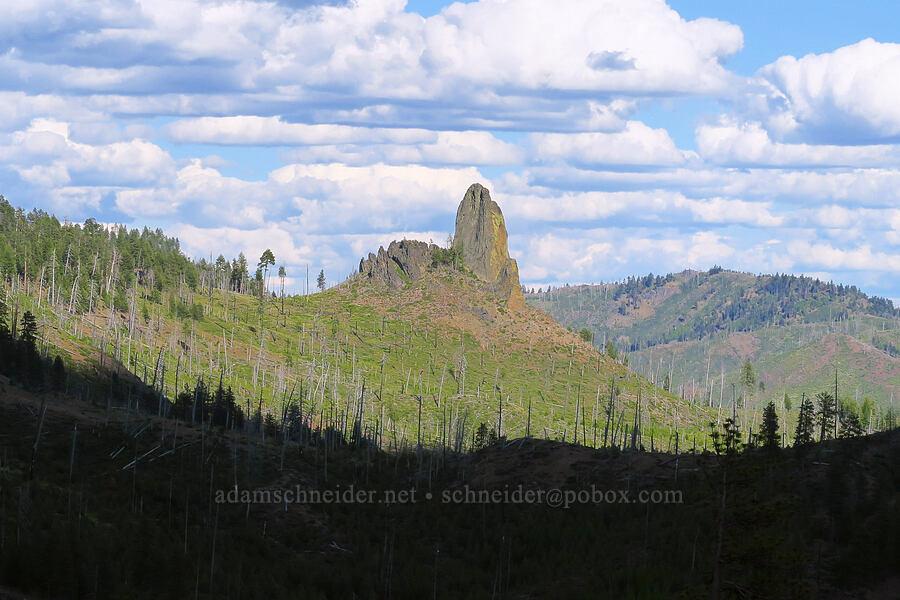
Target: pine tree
768,430
32,370
265,261
320,280
239,274
804,433
850,424
826,415
481,437
727,441
28,337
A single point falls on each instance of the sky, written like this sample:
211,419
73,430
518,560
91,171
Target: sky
619,137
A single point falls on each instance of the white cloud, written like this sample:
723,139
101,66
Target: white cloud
846,96
579,254
201,241
638,206
44,155
829,257
852,186
487,59
447,148
747,144
273,131
728,210
376,197
636,144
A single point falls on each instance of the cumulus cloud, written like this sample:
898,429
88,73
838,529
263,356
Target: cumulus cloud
848,96
639,206
326,143
856,186
636,145
577,254
833,258
44,155
336,197
448,148
478,58
249,130
201,241
728,142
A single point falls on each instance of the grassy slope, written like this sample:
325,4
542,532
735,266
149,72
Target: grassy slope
442,339
796,356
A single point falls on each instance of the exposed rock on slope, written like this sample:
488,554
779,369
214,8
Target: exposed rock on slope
481,234
401,262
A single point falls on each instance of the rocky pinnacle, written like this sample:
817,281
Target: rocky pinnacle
481,234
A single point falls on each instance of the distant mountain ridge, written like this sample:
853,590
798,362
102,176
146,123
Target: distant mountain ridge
703,303
705,324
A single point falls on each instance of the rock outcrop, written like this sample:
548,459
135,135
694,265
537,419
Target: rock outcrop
481,235
402,262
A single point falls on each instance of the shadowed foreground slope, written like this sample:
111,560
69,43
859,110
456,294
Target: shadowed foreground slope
80,521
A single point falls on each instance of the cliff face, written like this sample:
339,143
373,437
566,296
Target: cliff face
402,262
480,234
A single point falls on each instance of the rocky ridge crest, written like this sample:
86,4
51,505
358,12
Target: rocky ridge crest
480,236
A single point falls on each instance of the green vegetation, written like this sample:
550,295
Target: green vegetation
449,256
425,365
700,331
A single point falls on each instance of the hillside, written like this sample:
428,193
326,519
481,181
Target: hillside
424,356
464,416
699,328
816,522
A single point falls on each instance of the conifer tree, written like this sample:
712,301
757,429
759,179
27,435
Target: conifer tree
28,337
850,424
804,432
727,441
768,430
265,261
826,415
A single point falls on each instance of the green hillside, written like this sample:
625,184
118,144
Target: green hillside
427,364
698,329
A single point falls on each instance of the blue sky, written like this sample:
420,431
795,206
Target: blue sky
619,137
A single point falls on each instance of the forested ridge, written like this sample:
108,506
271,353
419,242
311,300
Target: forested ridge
692,305
81,263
